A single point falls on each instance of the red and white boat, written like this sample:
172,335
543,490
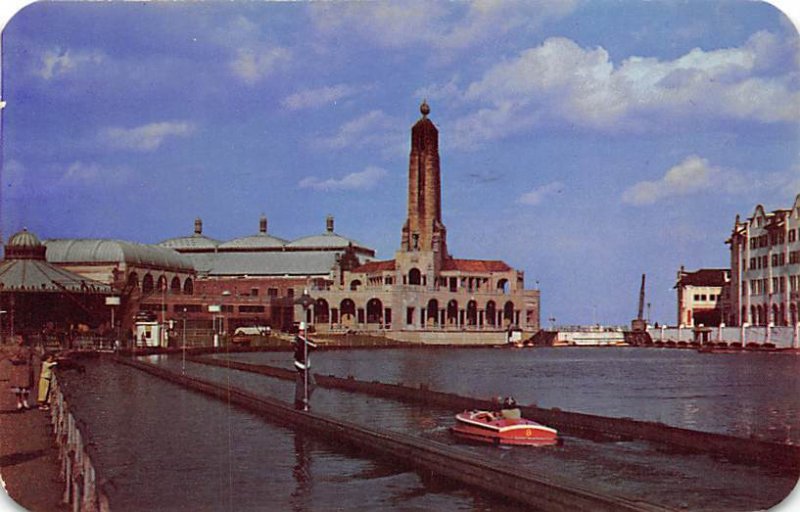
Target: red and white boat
493,427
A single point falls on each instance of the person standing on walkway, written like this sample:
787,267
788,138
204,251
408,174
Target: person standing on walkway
45,378
21,380
304,380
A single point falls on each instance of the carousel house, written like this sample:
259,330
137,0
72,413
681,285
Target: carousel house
37,295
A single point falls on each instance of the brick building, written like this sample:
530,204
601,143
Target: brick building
424,289
703,296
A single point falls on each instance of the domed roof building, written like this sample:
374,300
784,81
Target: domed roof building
195,242
34,292
259,241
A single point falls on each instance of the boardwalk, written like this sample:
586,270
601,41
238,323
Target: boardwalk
28,458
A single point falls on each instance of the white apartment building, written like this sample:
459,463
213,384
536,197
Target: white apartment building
765,267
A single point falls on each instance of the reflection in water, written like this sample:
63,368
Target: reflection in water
301,473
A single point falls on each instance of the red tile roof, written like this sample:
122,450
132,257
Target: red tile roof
375,266
475,265
704,277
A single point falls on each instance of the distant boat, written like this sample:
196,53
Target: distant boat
496,428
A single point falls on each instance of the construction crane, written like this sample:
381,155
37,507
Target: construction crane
639,324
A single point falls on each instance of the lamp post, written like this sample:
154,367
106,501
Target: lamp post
183,332
113,301
305,302
223,327
214,308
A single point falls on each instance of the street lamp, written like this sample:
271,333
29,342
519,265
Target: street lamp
223,327
215,308
183,363
305,301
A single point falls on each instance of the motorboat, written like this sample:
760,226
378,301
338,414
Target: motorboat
502,427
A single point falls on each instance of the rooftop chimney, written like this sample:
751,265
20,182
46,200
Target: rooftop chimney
262,224
329,223
198,226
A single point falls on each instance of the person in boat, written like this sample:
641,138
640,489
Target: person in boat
304,379
509,410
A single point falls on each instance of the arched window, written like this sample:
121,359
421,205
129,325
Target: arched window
503,285
175,285
162,283
188,287
147,283
133,281
414,276
321,312
355,284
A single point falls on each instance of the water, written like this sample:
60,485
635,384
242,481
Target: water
165,448
748,394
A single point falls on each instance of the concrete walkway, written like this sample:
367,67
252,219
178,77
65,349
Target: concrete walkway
29,465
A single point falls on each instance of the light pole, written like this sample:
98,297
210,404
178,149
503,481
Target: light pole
214,308
113,301
305,302
223,327
183,332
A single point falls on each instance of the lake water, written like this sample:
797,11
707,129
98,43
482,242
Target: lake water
165,448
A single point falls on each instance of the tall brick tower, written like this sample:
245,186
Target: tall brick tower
423,230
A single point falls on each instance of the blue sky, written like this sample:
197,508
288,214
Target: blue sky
584,142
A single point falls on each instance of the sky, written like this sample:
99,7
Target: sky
585,142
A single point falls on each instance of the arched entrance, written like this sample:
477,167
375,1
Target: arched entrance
374,311
472,313
491,313
432,313
452,313
348,312
414,276
188,287
508,314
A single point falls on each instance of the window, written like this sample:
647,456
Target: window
696,297
254,292
792,235
251,309
272,293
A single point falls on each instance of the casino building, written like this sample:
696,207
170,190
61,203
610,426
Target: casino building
425,293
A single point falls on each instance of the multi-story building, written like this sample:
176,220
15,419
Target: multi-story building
765,267
703,296
424,289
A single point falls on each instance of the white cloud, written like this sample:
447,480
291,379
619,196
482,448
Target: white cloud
371,129
436,25
539,194
362,180
56,63
89,174
313,98
253,64
147,137
691,176
560,82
